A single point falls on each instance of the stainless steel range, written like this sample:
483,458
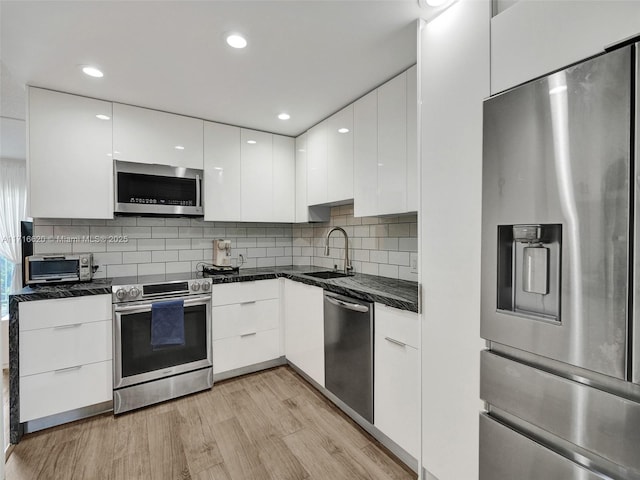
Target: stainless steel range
145,372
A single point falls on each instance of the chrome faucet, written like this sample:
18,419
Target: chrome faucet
347,263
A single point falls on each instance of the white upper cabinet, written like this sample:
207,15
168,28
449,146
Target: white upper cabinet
365,155
303,212
221,172
284,177
392,146
256,153
69,162
340,155
150,136
302,209
249,175
385,148
317,164
330,159
413,182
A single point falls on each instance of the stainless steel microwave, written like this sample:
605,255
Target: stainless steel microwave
152,189
42,269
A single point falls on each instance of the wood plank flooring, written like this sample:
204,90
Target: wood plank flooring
269,425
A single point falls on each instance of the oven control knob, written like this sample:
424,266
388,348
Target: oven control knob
121,293
206,286
134,292
195,286
84,260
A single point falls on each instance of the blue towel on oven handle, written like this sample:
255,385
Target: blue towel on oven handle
167,323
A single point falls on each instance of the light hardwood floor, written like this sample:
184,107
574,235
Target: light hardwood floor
269,425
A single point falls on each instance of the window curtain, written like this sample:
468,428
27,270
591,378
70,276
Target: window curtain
13,209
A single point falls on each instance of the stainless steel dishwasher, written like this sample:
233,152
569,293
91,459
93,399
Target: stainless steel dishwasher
348,351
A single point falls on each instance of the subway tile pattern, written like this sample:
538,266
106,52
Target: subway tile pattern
381,246
124,246
144,246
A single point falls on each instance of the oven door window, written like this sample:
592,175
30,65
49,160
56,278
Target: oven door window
138,356
53,268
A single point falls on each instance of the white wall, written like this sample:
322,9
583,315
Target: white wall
454,67
533,38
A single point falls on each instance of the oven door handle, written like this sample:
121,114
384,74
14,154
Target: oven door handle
147,306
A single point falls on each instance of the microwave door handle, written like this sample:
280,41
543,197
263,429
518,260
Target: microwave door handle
198,200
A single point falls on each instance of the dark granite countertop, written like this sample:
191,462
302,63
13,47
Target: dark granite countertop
401,294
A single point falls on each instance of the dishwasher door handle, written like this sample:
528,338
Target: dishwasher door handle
356,307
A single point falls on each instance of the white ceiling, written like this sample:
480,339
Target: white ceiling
308,58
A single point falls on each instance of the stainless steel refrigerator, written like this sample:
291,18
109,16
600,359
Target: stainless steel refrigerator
560,275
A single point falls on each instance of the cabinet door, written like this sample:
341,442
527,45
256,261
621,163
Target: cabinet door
302,211
340,155
221,172
317,164
397,377
413,184
69,161
284,174
392,146
304,328
257,175
305,213
149,136
365,155
65,390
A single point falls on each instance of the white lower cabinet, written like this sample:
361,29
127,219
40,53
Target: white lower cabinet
304,328
65,355
397,377
246,324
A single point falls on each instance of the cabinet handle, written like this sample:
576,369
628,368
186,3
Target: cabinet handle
248,334
69,369
248,303
64,327
397,342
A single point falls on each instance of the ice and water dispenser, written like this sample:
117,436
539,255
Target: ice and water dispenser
529,259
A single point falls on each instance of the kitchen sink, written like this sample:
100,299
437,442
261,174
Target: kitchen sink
327,274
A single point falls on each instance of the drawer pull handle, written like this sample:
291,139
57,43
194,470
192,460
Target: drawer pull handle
248,303
64,327
395,341
69,369
248,334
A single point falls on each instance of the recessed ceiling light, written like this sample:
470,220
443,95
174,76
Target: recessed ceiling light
284,116
92,71
103,117
179,147
343,130
437,3
236,40
251,142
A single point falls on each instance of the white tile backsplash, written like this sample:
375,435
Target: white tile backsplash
378,245
159,245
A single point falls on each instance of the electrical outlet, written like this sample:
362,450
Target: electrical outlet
414,263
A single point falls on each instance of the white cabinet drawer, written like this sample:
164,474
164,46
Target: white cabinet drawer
241,351
64,311
397,393
63,390
64,346
243,318
399,325
242,292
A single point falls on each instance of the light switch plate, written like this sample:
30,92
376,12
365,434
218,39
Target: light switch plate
414,263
